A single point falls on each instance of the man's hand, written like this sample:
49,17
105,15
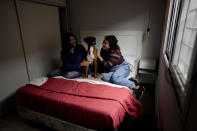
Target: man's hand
84,63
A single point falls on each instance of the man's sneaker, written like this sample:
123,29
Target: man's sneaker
134,80
139,92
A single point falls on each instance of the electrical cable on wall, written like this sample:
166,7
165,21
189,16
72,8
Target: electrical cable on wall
146,36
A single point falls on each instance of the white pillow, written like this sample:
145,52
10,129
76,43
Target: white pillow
132,61
38,81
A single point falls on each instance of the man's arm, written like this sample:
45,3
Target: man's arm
68,65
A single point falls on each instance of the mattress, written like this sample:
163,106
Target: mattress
90,104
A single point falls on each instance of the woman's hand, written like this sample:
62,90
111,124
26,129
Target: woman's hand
99,56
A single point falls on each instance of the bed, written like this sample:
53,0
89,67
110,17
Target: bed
84,104
88,104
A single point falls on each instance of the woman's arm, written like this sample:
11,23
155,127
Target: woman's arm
105,63
99,56
114,58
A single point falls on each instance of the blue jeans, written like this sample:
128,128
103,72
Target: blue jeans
60,72
118,74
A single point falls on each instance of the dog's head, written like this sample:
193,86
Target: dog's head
90,40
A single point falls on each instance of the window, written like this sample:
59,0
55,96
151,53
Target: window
181,45
180,42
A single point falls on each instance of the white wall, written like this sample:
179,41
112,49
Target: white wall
41,39
13,73
120,15
41,35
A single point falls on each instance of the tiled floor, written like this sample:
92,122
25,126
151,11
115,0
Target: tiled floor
13,122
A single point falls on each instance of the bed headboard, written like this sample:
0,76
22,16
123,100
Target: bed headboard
130,42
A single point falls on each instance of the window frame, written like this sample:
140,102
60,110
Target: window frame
171,30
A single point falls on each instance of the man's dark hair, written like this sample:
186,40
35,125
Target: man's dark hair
113,42
66,40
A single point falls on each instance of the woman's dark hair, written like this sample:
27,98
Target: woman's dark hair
66,40
113,42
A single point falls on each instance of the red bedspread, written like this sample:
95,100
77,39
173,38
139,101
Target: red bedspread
94,106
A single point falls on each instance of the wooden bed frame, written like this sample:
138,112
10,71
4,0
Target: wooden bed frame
49,121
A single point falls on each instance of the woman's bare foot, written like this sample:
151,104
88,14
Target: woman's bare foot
136,87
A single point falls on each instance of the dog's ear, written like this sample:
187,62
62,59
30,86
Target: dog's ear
90,40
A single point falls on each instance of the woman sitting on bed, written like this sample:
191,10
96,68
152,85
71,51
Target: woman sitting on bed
72,56
114,61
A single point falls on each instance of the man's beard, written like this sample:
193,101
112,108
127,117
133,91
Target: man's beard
73,45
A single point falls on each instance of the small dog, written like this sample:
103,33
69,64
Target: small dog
91,54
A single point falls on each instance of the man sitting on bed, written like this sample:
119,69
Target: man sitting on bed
72,56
